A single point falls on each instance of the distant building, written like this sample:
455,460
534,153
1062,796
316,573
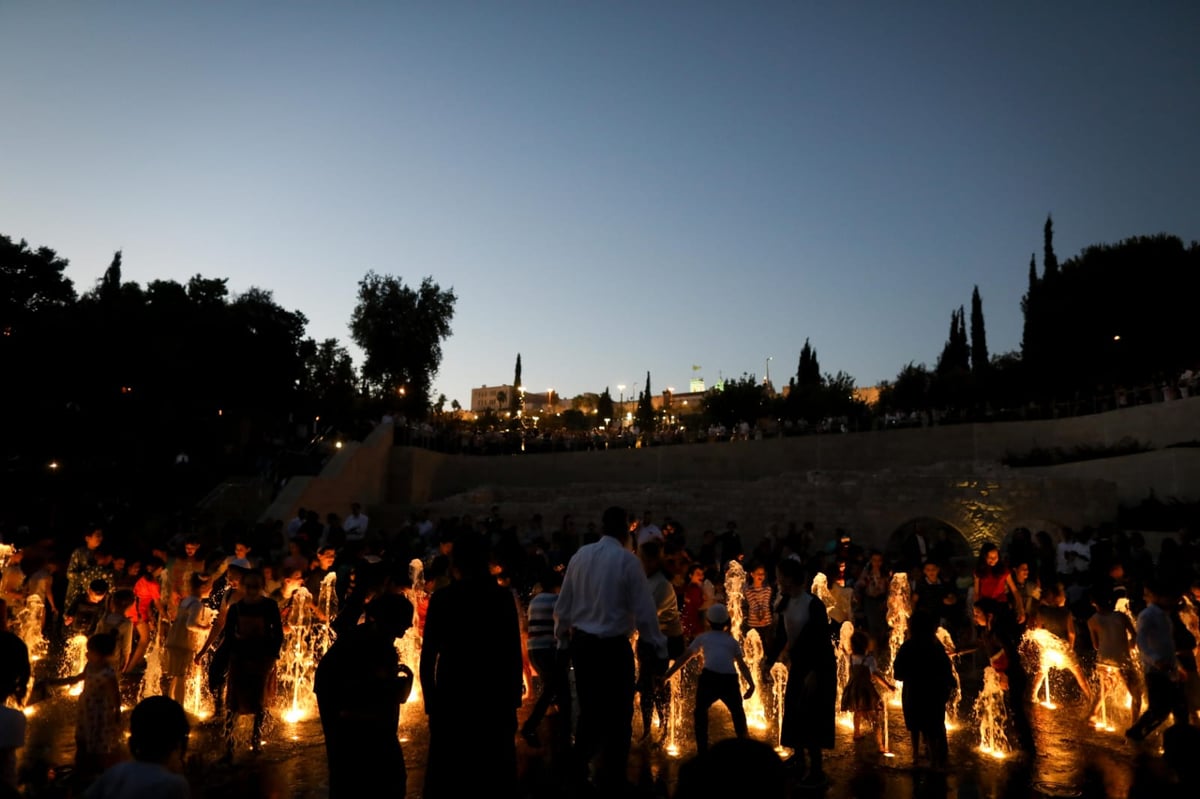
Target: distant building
487,398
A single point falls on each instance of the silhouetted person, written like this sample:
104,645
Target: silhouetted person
924,667
471,678
733,767
1156,646
158,739
809,699
360,685
605,597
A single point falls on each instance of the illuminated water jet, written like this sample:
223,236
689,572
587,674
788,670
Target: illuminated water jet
992,715
779,678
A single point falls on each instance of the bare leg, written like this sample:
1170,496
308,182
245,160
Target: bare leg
138,658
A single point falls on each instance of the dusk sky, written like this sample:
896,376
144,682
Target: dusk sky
610,188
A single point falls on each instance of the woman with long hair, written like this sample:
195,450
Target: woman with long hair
994,582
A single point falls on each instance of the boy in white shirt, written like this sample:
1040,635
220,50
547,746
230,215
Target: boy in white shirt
719,679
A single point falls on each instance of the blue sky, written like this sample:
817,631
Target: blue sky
609,187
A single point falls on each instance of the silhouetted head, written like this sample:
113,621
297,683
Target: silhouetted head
158,727
391,613
613,523
733,767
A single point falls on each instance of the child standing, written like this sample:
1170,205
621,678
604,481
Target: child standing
117,622
98,714
924,667
255,634
192,619
861,694
1112,634
147,609
718,681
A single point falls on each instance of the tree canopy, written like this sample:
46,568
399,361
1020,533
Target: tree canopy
400,331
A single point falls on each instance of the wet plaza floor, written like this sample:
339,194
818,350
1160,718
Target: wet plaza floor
1072,759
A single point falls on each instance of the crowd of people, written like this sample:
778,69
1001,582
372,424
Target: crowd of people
503,608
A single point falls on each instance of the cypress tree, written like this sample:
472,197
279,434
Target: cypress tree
645,408
979,350
809,373
518,397
1049,259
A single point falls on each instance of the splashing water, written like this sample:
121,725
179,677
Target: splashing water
1111,689
820,589
408,648
943,635
152,677
886,751
29,625
416,576
992,715
756,710
898,612
1045,651
1122,606
735,582
74,661
674,743
844,718
298,658
327,601
410,645
779,678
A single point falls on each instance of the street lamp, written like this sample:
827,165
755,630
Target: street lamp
767,380
621,388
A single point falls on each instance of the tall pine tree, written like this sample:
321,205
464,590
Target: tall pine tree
645,408
1049,259
808,375
979,350
518,396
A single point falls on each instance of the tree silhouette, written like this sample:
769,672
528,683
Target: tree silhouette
518,396
605,407
31,283
645,408
979,349
400,331
1049,259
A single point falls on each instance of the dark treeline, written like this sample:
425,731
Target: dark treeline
1112,326
121,379
157,392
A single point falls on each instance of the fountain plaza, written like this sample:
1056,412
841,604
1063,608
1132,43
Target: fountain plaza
1075,755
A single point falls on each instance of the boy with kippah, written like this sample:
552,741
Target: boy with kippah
718,681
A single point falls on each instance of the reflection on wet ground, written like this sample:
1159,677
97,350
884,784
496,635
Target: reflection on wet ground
1073,759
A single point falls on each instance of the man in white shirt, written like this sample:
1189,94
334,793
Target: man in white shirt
355,526
604,598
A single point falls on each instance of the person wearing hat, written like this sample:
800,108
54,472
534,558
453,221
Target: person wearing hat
719,680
